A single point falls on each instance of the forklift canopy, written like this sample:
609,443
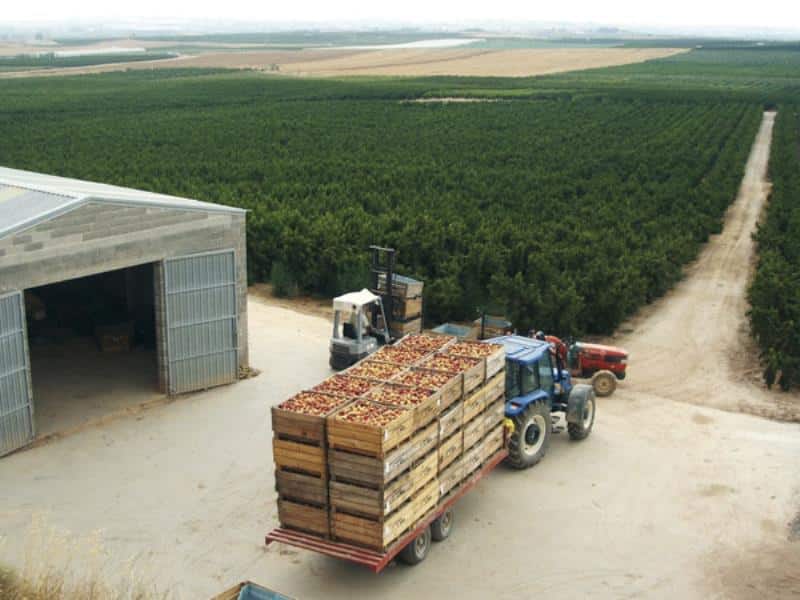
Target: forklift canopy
354,301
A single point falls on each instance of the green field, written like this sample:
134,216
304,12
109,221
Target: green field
26,62
567,205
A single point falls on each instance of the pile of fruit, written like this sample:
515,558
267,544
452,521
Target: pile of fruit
430,380
372,369
342,385
314,404
474,349
399,356
399,395
450,363
425,343
369,413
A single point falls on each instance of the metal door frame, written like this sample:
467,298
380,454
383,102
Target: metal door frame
27,368
167,317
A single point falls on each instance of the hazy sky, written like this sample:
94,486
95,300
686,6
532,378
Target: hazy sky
782,14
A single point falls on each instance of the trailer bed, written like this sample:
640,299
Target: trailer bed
377,561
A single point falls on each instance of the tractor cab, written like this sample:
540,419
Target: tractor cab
354,336
537,392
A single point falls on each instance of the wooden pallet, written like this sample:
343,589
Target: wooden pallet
377,472
376,503
290,455
303,517
450,449
368,439
301,487
378,534
451,420
474,404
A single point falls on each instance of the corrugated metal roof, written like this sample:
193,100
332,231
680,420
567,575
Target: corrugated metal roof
28,198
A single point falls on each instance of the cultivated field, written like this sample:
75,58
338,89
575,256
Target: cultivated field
395,62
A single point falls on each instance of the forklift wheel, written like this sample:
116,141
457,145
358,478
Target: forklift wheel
442,526
604,383
416,551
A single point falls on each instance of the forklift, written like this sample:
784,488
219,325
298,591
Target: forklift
362,321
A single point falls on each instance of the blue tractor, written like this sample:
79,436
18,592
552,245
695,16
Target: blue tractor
538,389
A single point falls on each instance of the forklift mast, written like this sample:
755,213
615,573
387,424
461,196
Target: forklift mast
383,263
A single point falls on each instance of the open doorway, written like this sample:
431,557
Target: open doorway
92,347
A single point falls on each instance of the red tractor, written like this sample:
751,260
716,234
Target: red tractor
603,364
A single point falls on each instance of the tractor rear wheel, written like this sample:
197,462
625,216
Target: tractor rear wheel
604,383
528,444
582,429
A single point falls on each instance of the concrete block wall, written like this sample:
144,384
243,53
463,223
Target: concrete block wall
99,237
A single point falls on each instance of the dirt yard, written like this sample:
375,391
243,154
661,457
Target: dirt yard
394,62
666,499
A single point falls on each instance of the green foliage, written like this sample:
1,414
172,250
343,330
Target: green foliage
50,60
775,291
567,207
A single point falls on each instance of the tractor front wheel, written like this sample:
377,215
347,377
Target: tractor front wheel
528,444
604,383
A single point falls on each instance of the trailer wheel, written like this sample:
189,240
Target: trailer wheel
442,526
581,430
604,383
417,551
528,444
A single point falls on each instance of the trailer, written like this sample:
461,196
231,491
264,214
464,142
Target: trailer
412,547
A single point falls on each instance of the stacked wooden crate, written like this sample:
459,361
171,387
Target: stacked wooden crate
406,304
387,439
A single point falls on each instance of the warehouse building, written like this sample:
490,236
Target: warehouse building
110,297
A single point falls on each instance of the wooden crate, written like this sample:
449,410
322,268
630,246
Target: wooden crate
495,413
449,386
342,385
472,369
399,355
378,534
493,354
294,515
496,387
474,404
402,286
407,308
423,403
367,438
451,420
426,342
451,477
492,443
401,328
308,489
295,456
473,459
450,449
375,370
375,503
473,432
377,472
289,422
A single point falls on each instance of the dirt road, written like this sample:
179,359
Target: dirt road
694,344
664,500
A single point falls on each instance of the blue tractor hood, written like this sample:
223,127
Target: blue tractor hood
520,349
